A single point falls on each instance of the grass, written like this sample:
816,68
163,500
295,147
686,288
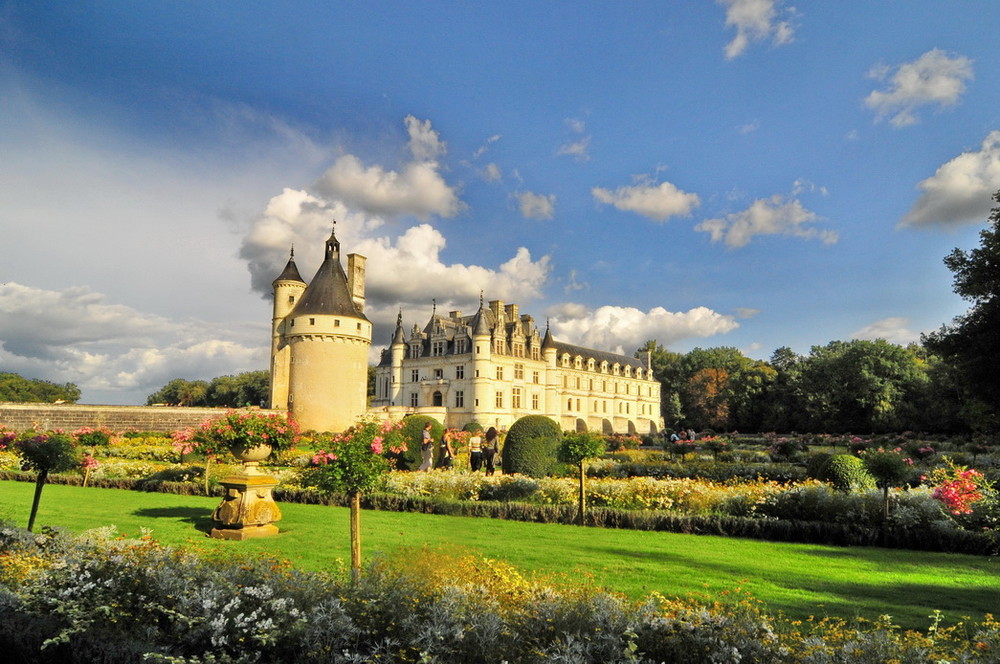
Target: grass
797,580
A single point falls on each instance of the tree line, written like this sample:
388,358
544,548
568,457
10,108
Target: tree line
249,388
949,382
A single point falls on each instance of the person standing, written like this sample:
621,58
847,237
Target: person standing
491,448
447,451
476,451
426,448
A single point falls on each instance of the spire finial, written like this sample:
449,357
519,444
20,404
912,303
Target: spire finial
434,306
480,299
291,253
399,318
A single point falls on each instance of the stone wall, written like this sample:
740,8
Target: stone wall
69,417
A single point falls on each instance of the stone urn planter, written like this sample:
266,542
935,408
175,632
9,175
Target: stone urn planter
248,509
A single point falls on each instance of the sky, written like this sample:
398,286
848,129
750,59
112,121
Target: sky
743,173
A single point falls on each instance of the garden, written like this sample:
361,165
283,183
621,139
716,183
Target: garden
906,492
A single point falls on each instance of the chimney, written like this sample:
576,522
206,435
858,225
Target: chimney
356,279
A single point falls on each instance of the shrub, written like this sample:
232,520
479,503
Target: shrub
413,425
530,447
846,473
473,426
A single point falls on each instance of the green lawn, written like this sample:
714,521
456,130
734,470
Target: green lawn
797,579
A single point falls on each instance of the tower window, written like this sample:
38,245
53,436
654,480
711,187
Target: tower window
336,322
291,299
312,321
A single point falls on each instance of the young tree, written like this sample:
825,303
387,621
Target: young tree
45,452
970,343
355,463
576,449
890,470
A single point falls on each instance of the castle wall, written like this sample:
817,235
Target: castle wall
69,417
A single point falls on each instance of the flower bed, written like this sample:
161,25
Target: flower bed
105,598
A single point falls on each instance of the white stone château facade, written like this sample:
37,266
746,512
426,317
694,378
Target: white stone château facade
493,367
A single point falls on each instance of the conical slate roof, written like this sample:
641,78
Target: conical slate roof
328,292
290,273
397,335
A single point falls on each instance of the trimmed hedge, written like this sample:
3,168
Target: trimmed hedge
777,530
531,445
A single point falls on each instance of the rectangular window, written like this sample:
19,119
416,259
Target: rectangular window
459,399
499,400
413,399
534,402
499,373
515,398
312,321
415,375
518,372
534,377
439,373
460,371
578,404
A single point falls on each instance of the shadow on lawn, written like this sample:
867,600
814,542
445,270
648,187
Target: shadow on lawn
196,516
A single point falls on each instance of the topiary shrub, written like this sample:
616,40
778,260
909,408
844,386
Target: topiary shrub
531,445
846,472
473,426
413,425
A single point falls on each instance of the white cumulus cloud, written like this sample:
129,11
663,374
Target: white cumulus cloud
114,353
416,188
961,190
757,21
893,330
655,201
536,206
934,79
766,216
623,329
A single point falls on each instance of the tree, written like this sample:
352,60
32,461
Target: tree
970,343
354,463
16,388
666,369
231,391
181,392
857,385
45,452
576,449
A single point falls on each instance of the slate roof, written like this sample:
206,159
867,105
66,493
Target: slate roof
328,292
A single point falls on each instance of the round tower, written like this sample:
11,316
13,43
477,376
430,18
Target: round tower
288,289
397,353
329,338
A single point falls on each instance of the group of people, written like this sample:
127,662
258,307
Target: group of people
484,449
682,434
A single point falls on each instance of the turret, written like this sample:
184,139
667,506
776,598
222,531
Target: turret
288,287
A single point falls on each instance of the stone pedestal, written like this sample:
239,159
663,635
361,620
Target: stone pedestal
247,509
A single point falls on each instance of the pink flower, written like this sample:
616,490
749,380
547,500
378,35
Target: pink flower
323,457
377,445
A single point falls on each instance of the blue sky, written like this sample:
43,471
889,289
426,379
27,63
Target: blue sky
746,173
